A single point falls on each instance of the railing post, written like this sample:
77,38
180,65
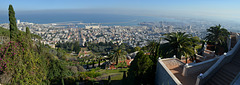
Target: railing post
199,79
185,70
174,56
225,54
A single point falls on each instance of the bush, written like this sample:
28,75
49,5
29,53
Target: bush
122,64
74,69
69,80
81,69
103,66
72,58
91,74
95,69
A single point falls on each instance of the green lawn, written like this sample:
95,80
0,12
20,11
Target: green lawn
116,75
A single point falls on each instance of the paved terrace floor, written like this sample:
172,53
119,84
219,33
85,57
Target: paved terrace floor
176,67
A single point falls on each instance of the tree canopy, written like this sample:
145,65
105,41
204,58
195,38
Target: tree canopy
179,44
12,24
140,69
218,36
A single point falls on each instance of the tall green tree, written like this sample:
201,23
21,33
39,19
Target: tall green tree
140,69
28,37
154,49
119,54
28,33
217,35
179,44
12,24
57,71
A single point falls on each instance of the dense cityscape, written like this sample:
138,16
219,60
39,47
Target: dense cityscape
138,35
119,42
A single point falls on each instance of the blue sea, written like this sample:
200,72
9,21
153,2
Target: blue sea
105,19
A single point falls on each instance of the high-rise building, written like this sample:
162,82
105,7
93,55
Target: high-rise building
18,21
162,24
170,28
189,28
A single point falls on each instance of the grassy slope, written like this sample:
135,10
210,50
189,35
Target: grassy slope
116,75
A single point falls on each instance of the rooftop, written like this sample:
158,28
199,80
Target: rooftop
176,67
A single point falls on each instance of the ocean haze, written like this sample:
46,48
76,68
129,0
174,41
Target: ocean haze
58,16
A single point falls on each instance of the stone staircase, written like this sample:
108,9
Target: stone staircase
227,73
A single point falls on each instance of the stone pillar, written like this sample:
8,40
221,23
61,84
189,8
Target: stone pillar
185,70
205,46
237,37
199,79
229,42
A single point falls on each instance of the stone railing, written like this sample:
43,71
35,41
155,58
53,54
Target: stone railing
237,36
198,67
212,52
164,76
223,59
236,80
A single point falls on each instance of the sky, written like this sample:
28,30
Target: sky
225,9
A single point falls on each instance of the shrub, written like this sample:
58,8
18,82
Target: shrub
95,69
70,80
74,69
81,69
91,74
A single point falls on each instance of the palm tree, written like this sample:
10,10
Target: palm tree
99,60
117,54
179,44
195,41
217,36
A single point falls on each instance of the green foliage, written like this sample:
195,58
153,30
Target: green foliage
4,32
117,55
90,74
57,71
36,36
218,36
69,46
137,48
12,24
122,64
105,48
95,69
28,33
24,64
179,44
70,80
61,54
140,69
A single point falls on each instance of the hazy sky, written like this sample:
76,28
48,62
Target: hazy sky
209,8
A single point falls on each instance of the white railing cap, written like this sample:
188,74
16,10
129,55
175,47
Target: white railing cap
225,54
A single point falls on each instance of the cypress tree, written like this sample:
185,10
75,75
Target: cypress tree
28,34
29,38
12,24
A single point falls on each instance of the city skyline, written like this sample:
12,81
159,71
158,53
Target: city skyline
186,8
